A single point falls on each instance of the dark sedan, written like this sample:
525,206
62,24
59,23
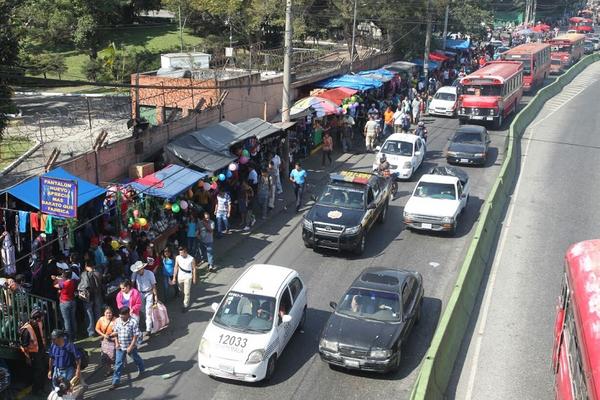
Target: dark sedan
468,145
373,320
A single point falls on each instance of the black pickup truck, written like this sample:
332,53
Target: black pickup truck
346,211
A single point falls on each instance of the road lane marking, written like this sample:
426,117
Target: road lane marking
493,273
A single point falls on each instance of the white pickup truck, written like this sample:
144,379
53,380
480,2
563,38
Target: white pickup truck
438,200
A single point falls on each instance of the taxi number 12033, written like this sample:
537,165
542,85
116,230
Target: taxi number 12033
233,340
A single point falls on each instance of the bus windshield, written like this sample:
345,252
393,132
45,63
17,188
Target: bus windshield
562,47
483,90
525,61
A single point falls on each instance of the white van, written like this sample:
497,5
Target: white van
253,324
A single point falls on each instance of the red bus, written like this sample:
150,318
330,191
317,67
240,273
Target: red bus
491,93
536,62
576,350
581,25
566,50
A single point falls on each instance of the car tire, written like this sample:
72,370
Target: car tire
498,123
454,229
271,367
307,245
419,313
382,215
360,249
300,326
397,363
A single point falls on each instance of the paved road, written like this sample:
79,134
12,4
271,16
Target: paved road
300,373
555,204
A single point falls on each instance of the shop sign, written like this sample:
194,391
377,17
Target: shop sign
58,197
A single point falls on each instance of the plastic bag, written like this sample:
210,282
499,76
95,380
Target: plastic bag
160,317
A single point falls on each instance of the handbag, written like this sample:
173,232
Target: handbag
107,349
83,294
160,317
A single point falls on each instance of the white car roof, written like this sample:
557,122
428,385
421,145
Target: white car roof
438,178
447,89
263,279
403,137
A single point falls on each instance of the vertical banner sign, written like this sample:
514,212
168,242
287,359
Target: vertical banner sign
58,197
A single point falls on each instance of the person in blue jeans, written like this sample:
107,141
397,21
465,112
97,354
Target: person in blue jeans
191,231
168,267
298,179
126,333
223,212
64,359
206,229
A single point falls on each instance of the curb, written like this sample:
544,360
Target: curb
438,363
21,158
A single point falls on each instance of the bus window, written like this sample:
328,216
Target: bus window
483,90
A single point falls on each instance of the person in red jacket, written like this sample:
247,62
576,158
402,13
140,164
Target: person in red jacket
66,297
130,297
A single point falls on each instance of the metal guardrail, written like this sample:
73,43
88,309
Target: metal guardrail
15,308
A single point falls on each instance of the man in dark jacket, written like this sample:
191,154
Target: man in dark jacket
91,283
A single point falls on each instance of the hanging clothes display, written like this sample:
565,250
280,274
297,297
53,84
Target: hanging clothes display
35,221
23,218
8,254
48,227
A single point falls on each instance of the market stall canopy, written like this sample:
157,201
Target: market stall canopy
380,74
320,105
526,31
168,182
29,191
207,148
438,56
541,28
258,127
350,81
337,95
400,66
458,44
432,64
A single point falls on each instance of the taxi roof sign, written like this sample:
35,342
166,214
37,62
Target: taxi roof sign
351,176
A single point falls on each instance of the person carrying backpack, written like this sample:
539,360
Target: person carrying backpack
89,292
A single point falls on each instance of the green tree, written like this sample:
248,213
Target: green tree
92,69
9,53
57,64
86,36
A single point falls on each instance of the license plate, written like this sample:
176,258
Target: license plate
226,368
352,363
477,117
464,160
489,118
426,226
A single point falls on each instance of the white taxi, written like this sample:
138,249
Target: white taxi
404,152
253,324
444,102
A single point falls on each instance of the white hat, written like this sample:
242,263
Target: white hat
63,266
2,281
137,266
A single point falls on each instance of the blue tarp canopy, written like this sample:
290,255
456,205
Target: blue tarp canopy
350,81
168,182
458,44
432,64
380,74
29,191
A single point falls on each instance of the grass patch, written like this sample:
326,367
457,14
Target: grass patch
11,148
157,39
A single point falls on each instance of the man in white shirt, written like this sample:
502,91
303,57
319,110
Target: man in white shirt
184,275
145,282
277,169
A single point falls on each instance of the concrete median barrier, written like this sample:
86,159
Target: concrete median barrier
436,368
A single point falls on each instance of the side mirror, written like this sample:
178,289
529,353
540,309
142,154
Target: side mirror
333,304
214,306
378,148
313,198
286,318
464,195
418,153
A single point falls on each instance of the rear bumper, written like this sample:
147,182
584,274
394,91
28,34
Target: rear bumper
470,160
357,363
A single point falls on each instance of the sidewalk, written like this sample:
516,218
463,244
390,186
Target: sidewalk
284,210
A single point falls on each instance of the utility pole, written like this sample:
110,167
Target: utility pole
533,12
286,103
427,41
180,29
446,25
353,36
527,7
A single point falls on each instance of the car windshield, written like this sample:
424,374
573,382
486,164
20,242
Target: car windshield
246,312
397,148
342,197
483,90
443,191
467,137
445,96
371,304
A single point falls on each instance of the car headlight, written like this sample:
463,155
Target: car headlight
204,346
380,353
448,220
407,165
353,229
408,215
255,357
307,224
452,153
328,345
479,154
